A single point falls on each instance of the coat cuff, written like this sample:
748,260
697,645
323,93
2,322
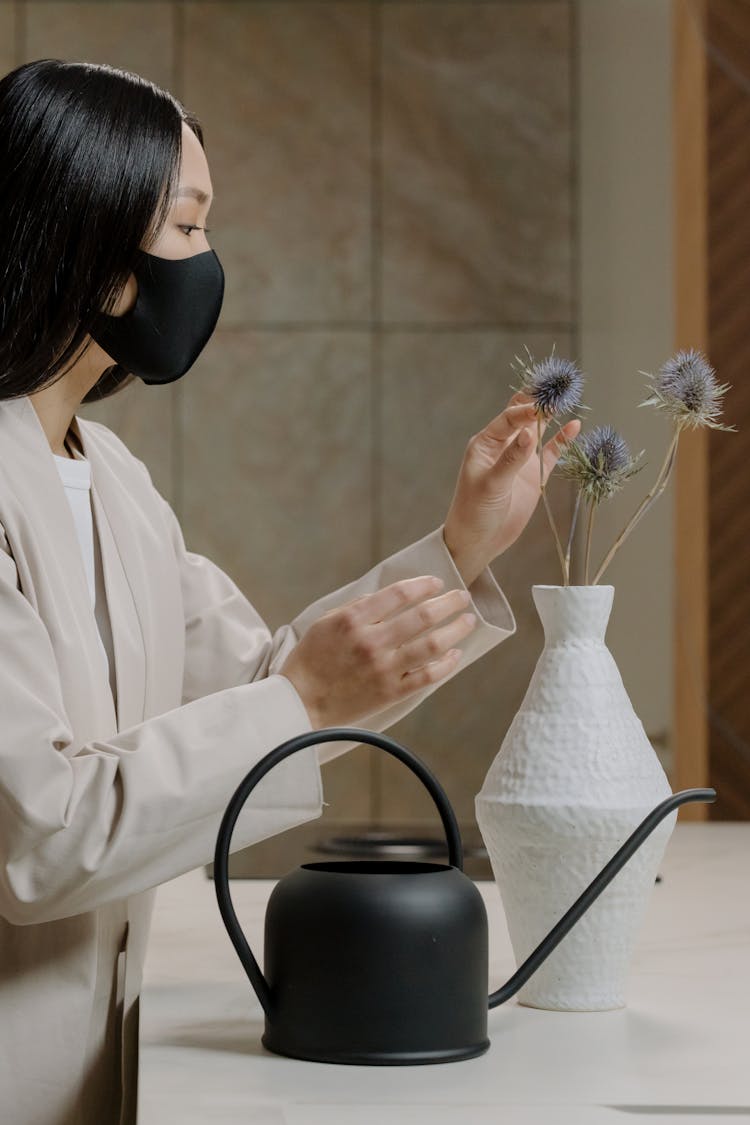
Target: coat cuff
495,620
489,602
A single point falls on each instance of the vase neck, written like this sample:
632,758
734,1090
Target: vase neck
573,612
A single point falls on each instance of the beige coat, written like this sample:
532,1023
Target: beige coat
101,803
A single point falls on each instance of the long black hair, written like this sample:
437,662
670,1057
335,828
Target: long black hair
89,158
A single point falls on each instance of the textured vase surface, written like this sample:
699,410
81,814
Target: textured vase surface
573,778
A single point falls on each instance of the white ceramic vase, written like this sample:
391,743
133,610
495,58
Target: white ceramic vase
575,775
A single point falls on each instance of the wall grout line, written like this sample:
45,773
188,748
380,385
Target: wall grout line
376,342
376,271
574,177
576,575
385,3
178,402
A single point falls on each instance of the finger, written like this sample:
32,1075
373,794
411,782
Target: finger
520,397
537,427
513,457
430,673
412,622
433,646
504,427
371,608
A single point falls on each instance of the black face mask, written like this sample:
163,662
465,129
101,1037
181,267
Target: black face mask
174,315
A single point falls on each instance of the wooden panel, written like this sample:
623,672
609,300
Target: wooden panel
691,330
728,86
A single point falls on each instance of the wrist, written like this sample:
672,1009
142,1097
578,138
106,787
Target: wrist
312,712
469,568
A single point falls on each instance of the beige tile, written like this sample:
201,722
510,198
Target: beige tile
438,390
276,465
7,35
477,201
276,461
283,91
133,34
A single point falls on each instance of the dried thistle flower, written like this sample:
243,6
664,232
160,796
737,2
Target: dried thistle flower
686,388
599,462
555,386
554,383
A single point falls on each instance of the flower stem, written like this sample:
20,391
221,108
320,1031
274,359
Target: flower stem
589,530
570,537
558,544
657,488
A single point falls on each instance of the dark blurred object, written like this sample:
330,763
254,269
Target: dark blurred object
274,857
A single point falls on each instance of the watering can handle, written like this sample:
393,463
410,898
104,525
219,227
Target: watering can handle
259,771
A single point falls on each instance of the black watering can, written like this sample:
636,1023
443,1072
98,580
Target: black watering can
385,962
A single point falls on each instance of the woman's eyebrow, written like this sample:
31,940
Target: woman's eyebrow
195,193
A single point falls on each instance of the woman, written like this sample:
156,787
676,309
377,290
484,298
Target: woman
137,683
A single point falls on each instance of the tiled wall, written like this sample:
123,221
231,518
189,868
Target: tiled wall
395,212
626,323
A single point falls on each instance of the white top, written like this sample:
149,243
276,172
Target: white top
75,474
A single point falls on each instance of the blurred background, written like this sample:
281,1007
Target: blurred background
406,195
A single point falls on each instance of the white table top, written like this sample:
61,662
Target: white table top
679,1051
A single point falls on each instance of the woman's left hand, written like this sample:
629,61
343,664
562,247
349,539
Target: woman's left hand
498,485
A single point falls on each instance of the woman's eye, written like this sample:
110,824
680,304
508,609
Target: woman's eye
188,227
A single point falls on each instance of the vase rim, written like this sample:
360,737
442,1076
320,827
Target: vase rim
585,586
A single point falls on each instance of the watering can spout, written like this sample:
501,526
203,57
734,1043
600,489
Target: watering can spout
594,889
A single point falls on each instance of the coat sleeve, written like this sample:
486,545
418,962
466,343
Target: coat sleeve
228,643
81,825
85,824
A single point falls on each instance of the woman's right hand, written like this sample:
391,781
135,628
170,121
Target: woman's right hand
375,650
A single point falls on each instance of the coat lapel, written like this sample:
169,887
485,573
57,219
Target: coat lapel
124,580
41,532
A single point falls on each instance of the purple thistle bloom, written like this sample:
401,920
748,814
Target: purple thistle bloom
604,444
686,388
554,383
599,462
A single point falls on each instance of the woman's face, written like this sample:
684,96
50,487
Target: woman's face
176,239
